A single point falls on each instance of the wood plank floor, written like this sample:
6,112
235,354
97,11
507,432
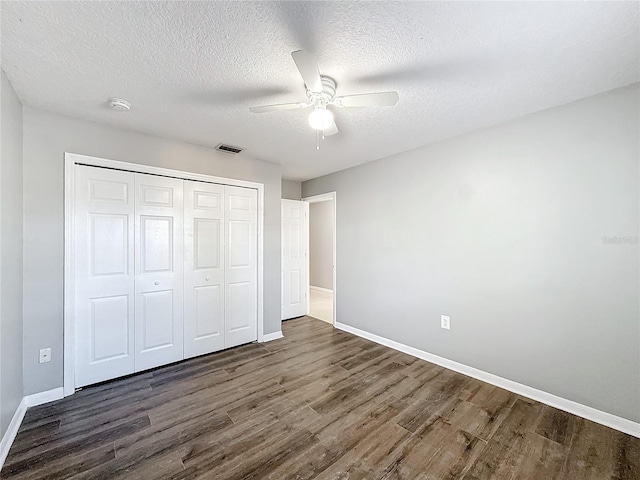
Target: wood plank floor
319,403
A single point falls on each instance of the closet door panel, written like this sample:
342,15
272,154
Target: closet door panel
159,271
208,314
240,312
104,274
241,269
157,320
204,268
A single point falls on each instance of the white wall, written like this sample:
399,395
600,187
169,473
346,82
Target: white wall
291,190
503,230
11,380
321,244
47,137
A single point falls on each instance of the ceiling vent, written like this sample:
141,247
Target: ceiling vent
229,149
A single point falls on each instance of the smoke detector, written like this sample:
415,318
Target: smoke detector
119,104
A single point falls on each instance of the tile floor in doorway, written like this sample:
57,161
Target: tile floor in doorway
321,304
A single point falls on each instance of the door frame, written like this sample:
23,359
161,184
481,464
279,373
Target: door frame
70,162
323,197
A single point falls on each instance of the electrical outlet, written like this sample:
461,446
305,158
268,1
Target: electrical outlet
45,355
445,322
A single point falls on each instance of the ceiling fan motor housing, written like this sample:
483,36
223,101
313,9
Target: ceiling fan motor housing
321,99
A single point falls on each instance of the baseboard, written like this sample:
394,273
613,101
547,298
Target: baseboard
607,419
10,435
44,397
272,336
18,416
320,289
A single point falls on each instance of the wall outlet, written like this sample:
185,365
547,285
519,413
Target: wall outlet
445,322
45,355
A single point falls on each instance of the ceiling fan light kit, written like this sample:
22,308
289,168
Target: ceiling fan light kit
321,91
320,118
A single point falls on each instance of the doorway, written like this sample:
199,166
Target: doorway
322,255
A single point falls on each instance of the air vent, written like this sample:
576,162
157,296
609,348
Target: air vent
229,149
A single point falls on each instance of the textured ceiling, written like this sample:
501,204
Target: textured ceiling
192,69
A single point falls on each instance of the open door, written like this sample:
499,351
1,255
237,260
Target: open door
295,264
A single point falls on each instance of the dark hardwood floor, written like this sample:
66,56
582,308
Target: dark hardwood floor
319,403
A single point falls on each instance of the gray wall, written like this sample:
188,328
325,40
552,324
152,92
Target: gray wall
503,230
291,190
10,254
46,137
321,244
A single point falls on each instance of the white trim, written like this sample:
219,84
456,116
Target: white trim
44,397
167,172
27,402
71,159
320,289
69,332
584,411
260,188
10,435
323,197
272,336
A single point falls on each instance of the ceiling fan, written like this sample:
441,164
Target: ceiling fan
321,91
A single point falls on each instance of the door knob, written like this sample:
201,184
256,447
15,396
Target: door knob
206,278
156,283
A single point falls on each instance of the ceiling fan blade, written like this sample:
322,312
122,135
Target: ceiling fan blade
382,99
332,130
281,106
308,68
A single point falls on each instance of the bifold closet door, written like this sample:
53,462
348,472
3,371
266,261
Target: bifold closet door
165,269
104,274
241,286
204,268
159,281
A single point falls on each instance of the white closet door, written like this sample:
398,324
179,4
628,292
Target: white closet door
295,265
159,271
204,268
104,274
241,292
